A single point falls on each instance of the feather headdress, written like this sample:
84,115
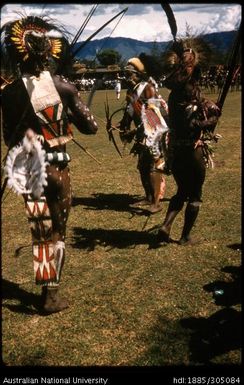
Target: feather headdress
193,49
32,39
145,65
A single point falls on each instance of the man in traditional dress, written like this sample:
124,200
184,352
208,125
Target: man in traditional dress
190,118
145,108
38,109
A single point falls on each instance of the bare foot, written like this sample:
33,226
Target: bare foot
187,242
142,202
163,236
155,208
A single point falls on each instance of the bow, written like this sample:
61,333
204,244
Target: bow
171,19
96,32
80,31
110,127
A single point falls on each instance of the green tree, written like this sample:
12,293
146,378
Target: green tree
108,57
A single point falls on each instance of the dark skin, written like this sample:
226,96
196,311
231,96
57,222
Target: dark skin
15,125
40,106
15,94
187,122
151,181
188,165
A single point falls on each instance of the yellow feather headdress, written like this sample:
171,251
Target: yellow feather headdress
31,37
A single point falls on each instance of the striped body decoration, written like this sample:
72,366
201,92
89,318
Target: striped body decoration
44,263
152,119
59,254
48,107
38,215
154,128
56,157
54,117
137,107
39,218
38,208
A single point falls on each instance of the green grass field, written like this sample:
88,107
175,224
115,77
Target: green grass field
131,303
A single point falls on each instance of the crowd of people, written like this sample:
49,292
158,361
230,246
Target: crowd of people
210,81
84,84
168,139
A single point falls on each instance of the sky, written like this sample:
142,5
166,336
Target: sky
142,21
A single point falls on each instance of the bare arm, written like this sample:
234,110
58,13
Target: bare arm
80,114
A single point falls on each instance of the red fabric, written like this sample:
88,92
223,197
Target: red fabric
152,117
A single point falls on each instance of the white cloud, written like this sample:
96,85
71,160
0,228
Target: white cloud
227,20
141,21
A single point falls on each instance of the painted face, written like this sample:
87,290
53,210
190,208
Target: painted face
188,59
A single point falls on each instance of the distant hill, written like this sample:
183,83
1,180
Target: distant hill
221,41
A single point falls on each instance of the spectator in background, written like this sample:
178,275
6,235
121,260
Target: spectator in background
118,86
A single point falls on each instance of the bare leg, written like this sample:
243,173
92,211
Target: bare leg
175,206
191,213
156,181
58,194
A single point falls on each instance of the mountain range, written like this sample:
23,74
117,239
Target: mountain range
127,48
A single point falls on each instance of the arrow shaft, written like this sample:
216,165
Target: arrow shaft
95,33
83,25
86,151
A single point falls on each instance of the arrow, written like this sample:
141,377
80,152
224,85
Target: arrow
83,26
95,33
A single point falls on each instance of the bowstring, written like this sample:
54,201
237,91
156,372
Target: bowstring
97,53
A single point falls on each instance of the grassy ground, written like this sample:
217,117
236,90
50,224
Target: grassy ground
131,303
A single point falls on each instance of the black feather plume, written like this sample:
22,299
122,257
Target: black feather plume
153,65
171,19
